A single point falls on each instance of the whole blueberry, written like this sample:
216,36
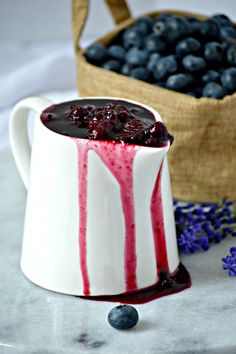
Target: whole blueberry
125,69
213,90
155,44
209,30
96,53
211,76
178,27
136,56
193,63
222,19
152,62
123,317
144,24
112,65
227,32
140,73
213,52
194,27
188,46
116,52
160,27
231,55
165,67
179,82
228,79
132,37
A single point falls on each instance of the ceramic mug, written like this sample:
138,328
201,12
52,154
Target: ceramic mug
92,225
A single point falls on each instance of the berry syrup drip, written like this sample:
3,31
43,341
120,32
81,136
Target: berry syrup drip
118,158
158,226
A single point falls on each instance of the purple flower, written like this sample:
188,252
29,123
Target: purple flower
198,225
229,262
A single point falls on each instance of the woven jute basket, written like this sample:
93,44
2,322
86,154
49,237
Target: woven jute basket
202,159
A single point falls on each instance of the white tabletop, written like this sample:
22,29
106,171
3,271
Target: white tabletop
201,319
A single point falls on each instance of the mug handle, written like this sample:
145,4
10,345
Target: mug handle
18,131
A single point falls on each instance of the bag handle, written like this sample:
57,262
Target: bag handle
80,10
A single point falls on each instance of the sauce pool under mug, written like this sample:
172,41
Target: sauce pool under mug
99,216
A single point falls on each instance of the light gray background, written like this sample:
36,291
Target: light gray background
46,19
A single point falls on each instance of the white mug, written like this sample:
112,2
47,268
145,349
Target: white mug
83,238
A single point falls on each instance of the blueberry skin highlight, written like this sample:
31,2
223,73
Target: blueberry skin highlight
96,53
213,90
112,65
228,79
213,52
187,46
193,64
116,52
123,317
165,66
136,57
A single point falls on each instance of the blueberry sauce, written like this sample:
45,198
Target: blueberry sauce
114,120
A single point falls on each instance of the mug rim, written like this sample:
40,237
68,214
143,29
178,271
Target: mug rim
156,115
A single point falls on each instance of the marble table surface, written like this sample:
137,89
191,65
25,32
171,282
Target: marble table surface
33,320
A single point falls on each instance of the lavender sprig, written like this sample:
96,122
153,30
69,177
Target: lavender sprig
199,225
229,262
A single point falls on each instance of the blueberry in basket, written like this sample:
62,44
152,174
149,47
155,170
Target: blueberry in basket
178,53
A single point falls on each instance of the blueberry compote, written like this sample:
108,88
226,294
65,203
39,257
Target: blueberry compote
101,119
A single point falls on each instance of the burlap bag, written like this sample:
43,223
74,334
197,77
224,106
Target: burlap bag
202,159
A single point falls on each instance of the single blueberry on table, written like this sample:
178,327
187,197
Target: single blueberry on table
96,53
165,67
112,65
211,76
154,44
136,56
222,20
116,52
132,37
214,90
187,46
179,82
228,79
227,32
140,73
213,52
123,317
231,55
193,63
153,59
